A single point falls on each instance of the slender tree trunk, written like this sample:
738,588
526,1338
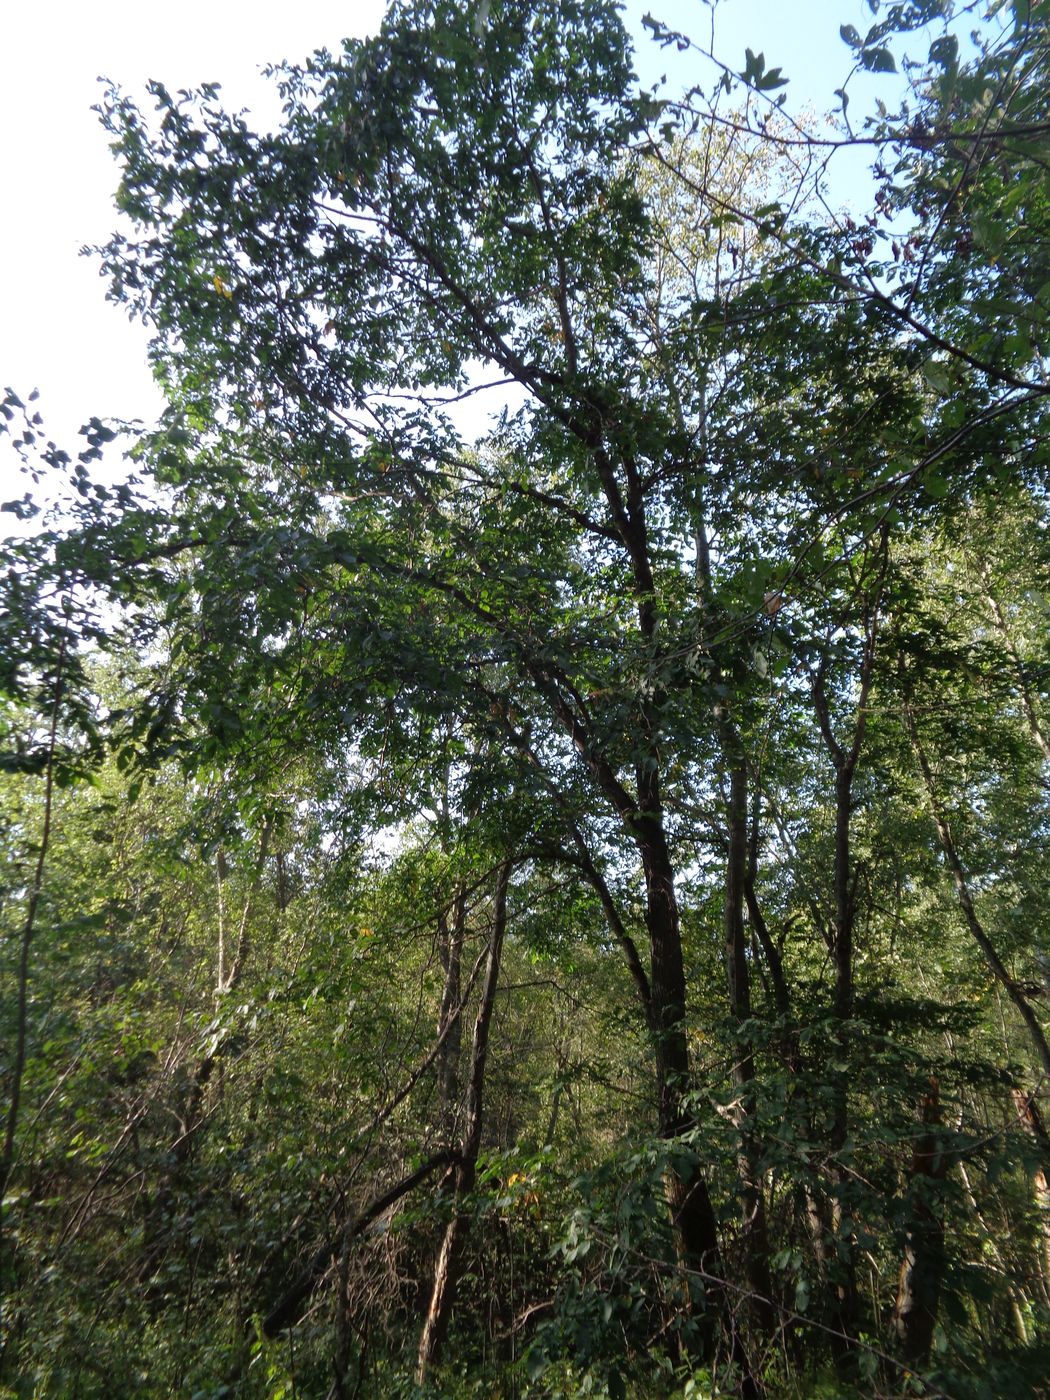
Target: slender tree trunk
919,1283
7,1157
962,890
845,1301
817,1215
845,757
447,1267
192,1114
450,1022
228,979
692,1211
232,975
755,1232
692,1214
283,893
221,872
989,1243
1028,1113
1035,727
817,1219
693,1219
1031,1120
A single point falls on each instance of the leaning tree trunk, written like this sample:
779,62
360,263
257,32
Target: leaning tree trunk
962,889
447,1268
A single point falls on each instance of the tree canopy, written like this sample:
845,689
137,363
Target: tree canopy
548,900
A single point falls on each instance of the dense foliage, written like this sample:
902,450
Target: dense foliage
554,902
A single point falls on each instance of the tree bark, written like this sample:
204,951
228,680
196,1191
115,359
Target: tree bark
447,1267
919,1283
7,1155
692,1210
1031,1120
844,757
962,890
1035,727
192,1114
755,1232
450,1022
693,1219
288,1307
845,763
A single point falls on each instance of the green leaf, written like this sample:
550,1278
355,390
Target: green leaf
936,374
988,233
754,67
771,80
945,51
935,486
878,60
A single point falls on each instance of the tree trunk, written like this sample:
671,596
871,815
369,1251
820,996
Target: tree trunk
755,1233
919,1284
447,1267
7,1153
693,1220
962,890
192,1114
692,1212
450,1022
1035,727
1031,1120
845,756
844,1304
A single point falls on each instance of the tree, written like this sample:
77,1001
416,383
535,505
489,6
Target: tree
644,683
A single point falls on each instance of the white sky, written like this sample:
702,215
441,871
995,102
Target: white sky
57,332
